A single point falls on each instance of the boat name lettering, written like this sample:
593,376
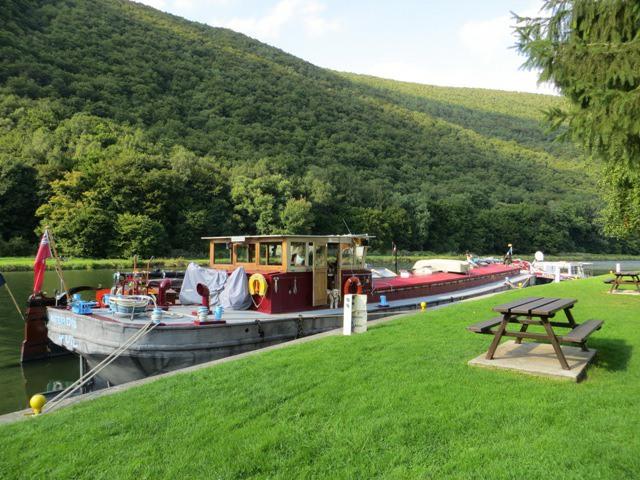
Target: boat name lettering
68,341
63,321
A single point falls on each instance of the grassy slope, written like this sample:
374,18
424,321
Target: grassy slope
398,402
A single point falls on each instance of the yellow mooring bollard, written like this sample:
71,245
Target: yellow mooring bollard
37,402
519,284
423,306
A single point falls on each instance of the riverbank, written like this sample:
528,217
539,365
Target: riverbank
22,264
396,402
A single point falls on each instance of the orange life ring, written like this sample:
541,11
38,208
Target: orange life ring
350,281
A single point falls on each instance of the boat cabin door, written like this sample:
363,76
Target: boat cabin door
320,273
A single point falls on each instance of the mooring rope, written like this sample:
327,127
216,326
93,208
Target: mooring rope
146,328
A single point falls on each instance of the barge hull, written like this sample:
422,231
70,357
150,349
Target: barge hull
173,347
181,344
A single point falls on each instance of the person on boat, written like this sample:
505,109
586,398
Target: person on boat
471,260
508,257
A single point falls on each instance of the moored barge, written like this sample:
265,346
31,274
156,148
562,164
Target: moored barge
296,286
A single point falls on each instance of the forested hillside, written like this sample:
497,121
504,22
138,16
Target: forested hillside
128,130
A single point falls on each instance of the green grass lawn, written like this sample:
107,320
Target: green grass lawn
396,402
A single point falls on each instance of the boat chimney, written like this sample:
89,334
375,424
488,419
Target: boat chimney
203,291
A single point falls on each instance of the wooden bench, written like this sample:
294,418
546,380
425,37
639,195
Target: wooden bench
485,326
578,335
582,332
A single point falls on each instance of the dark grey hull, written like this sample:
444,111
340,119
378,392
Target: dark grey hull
179,343
127,368
168,348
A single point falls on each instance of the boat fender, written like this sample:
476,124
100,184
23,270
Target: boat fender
352,281
257,285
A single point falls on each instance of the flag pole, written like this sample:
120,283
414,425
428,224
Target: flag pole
395,255
57,266
14,300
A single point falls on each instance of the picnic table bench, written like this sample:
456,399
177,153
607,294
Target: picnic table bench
537,311
625,278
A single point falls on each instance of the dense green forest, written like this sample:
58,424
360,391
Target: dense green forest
128,130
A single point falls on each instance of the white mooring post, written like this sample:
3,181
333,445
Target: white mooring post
355,314
617,268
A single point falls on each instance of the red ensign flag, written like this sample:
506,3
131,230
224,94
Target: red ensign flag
40,265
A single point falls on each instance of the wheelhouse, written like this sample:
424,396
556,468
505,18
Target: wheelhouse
300,269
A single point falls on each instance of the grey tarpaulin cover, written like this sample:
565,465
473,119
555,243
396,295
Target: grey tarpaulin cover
235,295
215,280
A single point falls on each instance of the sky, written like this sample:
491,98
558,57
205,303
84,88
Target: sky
462,43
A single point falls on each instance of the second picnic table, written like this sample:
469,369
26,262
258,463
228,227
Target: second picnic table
625,278
538,311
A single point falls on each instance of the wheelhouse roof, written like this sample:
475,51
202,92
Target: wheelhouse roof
329,238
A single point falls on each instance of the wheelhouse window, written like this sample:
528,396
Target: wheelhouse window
353,256
346,256
245,253
360,255
222,253
311,252
332,254
297,254
321,256
271,253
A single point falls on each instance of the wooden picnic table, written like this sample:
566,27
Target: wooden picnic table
537,311
625,278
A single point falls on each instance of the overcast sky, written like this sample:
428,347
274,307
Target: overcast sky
462,43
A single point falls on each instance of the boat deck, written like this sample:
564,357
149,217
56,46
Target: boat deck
395,283
181,315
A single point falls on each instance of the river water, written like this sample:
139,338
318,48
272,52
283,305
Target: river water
18,382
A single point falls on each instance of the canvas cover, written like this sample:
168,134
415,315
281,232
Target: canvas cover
215,280
235,295
426,267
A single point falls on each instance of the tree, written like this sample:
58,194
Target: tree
81,227
139,235
297,217
18,199
591,51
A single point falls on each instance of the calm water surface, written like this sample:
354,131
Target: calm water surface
19,382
